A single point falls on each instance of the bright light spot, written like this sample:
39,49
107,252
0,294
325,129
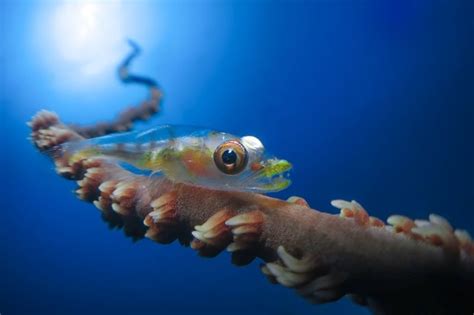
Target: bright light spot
88,33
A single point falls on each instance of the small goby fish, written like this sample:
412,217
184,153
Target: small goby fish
191,155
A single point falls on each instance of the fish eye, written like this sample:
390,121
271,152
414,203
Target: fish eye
231,157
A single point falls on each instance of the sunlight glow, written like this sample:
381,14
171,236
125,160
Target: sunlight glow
88,33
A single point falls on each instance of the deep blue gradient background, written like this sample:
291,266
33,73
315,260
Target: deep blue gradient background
370,101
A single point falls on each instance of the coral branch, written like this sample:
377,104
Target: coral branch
409,266
143,111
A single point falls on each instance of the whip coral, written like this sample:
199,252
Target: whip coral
404,266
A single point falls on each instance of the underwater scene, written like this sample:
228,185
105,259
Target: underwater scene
237,157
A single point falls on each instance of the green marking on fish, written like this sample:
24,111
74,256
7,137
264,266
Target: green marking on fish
275,167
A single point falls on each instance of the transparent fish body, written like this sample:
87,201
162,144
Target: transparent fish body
191,155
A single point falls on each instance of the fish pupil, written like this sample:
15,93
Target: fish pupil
229,157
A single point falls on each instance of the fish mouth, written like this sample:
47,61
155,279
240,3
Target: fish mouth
276,173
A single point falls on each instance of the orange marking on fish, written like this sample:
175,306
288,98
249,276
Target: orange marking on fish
196,162
256,166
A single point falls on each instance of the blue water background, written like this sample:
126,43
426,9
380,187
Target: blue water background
371,101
